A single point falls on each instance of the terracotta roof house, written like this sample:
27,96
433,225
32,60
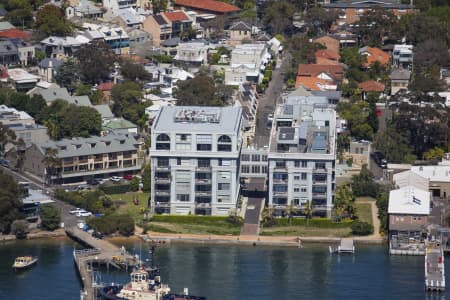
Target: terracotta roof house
315,84
326,57
371,86
326,72
373,55
330,42
15,34
209,6
174,16
105,86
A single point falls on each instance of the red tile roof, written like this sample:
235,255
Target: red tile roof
211,5
328,54
376,54
105,86
313,70
174,16
15,34
371,86
326,61
312,83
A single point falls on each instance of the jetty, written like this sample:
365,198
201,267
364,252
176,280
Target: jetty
345,246
434,269
99,252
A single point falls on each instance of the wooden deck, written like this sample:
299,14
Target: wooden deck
99,252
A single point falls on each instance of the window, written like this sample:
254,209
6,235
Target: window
245,169
225,162
264,169
303,189
320,165
224,139
204,139
256,157
224,148
223,186
304,163
297,164
223,199
255,169
183,197
280,164
296,190
245,157
203,163
181,147
280,188
304,176
186,138
280,176
264,157
296,177
163,162
204,147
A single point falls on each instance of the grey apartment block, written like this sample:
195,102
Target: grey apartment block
302,155
195,160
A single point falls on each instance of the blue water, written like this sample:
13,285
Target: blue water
230,272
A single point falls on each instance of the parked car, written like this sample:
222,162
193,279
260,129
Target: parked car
84,213
128,177
75,211
95,181
115,179
97,235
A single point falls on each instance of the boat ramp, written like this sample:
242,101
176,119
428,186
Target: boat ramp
100,252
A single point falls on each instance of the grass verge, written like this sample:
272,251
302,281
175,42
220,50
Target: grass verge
126,206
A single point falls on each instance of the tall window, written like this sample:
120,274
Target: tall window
163,142
204,142
224,143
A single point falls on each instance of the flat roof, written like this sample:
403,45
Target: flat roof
198,119
409,200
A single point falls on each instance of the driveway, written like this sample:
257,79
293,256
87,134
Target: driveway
268,101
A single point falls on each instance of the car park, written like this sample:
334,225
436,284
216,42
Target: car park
115,179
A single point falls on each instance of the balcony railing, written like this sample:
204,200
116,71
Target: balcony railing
163,167
203,168
277,180
203,181
203,193
162,192
162,204
202,205
162,180
320,170
319,207
83,161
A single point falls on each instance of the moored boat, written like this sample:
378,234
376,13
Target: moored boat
23,262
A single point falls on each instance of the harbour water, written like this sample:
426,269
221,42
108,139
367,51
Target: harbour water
229,272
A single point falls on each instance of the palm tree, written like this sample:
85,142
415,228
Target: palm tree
51,162
307,211
290,210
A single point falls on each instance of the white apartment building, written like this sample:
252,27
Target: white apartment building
302,154
402,56
195,160
248,62
192,54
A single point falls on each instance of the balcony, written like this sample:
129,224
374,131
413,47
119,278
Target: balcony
203,168
202,181
83,161
162,204
163,167
162,192
202,205
203,193
320,170
278,180
319,207
162,180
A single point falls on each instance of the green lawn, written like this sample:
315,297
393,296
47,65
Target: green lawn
221,229
306,231
126,205
364,212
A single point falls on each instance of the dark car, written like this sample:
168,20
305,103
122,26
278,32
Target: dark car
97,235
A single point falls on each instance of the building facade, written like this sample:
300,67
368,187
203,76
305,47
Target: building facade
195,160
81,159
302,156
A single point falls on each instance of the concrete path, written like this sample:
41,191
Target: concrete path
252,216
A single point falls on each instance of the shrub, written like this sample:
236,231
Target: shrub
19,228
109,224
361,228
315,222
95,200
50,217
119,188
235,220
198,220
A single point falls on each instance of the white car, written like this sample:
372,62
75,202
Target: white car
76,211
84,213
115,179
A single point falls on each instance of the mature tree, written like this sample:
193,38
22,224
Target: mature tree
363,184
393,145
20,12
83,90
96,62
51,20
50,217
200,90
374,26
278,16
52,163
146,178
417,28
344,202
19,228
7,136
133,71
68,74
357,115
435,153
319,20
69,120
10,203
159,5
127,98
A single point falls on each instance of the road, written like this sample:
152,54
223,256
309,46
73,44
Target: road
268,102
66,217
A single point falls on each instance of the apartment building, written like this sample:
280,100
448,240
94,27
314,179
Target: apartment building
191,55
80,159
402,56
302,155
195,160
